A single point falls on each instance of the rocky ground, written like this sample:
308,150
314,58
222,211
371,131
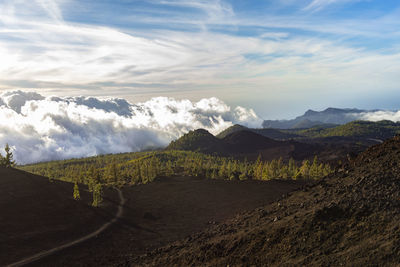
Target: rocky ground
351,218
162,212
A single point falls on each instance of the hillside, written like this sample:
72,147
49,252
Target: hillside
359,129
351,218
198,140
37,214
267,132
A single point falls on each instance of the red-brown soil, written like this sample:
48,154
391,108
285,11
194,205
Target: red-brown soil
351,218
38,215
168,210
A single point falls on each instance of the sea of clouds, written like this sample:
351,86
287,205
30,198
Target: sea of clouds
42,128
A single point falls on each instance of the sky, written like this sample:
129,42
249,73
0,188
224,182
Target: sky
277,57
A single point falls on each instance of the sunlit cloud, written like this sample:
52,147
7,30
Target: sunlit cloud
40,128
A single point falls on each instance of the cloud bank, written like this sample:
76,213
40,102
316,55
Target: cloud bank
42,128
380,115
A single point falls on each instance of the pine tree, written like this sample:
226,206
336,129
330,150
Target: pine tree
273,169
222,171
97,195
284,172
265,171
292,169
168,169
305,169
111,172
8,160
327,170
76,194
314,169
214,174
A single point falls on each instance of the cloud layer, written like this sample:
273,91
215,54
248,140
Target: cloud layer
48,128
380,115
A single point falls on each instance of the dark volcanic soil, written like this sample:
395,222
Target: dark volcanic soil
168,210
351,218
37,215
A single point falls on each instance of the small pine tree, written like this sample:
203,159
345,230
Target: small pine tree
292,168
97,195
314,169
305,169
169,171
8,160
77,196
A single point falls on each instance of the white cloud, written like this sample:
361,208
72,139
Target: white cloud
52,128
316,5
380,115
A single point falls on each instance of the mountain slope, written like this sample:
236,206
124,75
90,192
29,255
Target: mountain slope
249,144
267,132
243,144
198,140
351,218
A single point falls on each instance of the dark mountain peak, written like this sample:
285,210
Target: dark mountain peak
232,129
196,140
342,110
245,141
310,112
199,132
246,136
333,110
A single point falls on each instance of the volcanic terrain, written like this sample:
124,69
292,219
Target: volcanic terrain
351,218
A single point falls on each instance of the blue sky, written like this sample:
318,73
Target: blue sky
279,57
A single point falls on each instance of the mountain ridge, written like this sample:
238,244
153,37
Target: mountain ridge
312,118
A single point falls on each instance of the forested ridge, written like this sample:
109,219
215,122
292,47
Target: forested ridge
366,129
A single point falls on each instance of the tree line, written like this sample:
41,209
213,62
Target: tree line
145,167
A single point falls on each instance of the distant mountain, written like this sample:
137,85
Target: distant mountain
328,117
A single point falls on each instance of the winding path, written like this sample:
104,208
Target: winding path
376,140
46,253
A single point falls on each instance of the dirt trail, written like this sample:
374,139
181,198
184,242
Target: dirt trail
46,253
